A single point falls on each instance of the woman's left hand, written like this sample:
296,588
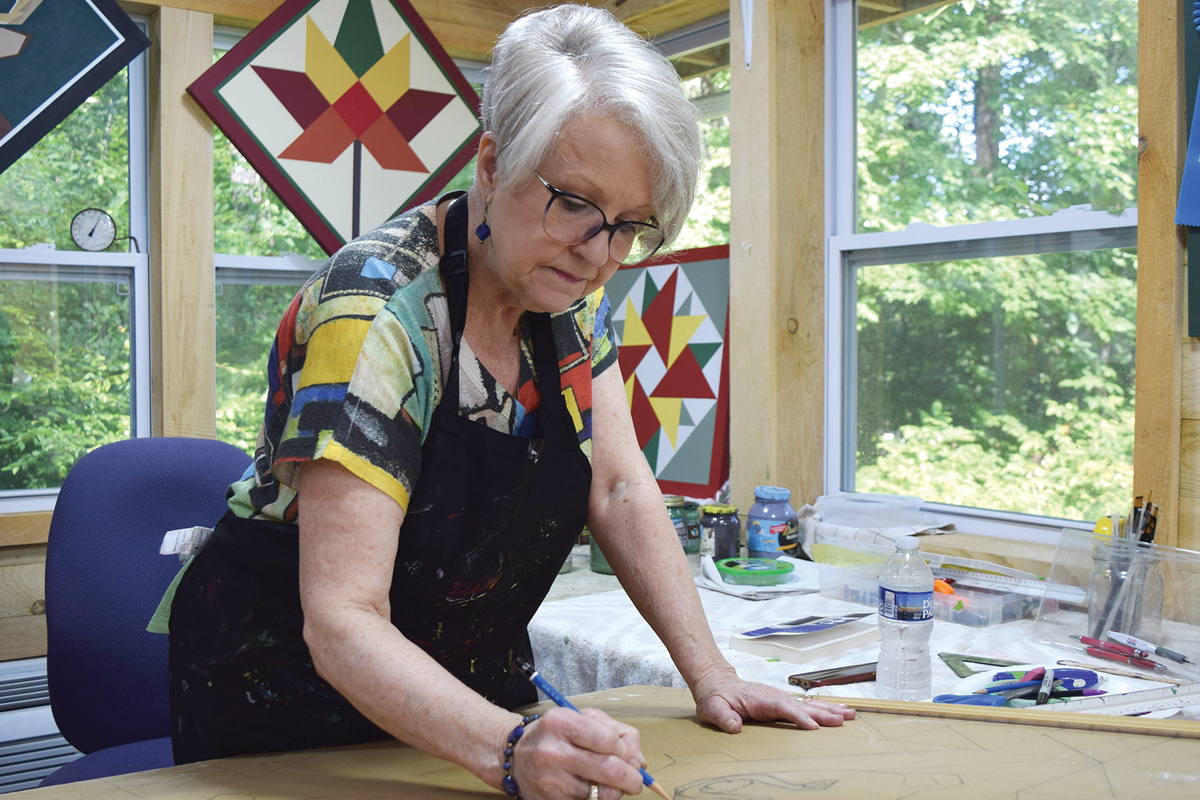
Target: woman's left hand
725,700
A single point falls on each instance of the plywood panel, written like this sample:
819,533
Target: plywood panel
1156,457
1189,485
468,28
777,251
22,637
22,581
24,528
897,752
1190,401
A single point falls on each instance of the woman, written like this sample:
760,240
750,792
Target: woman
444,417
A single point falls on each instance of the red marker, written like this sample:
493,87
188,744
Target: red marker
1124,659
1114,647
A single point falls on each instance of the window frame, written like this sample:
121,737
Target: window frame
843,241
37,263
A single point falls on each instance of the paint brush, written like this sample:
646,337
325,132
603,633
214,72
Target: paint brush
536,678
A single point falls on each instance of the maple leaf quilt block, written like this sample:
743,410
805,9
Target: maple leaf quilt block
349,109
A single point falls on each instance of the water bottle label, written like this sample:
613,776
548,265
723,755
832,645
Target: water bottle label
905,606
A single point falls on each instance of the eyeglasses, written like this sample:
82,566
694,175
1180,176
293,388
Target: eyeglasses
570,219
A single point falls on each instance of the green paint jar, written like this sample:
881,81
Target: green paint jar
692,516
676,509
599,562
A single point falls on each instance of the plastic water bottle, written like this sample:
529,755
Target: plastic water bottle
905,623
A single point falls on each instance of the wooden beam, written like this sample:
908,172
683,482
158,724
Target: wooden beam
777,251
467,28
18,529
22,637
668,17
1160,291
22,602
182,280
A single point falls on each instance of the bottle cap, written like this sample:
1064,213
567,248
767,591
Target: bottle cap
720,508
772,493
907,543
673,500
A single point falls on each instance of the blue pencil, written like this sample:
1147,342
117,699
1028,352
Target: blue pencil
536,677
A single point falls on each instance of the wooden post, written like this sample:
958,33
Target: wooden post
1160,291
182,282
777,250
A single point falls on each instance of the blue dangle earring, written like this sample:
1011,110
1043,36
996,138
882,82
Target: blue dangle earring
482,232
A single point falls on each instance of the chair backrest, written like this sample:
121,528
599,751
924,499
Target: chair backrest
104,578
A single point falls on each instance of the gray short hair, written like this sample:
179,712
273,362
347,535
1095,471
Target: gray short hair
572,61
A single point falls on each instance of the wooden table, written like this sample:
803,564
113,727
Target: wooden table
883,756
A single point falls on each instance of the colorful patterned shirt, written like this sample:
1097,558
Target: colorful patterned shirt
358,366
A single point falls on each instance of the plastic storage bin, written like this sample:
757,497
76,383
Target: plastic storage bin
978,608
869,510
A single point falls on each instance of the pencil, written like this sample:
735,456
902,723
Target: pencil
536,678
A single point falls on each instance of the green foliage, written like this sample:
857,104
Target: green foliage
1004,382
247,318
68,363
708,222
82,163
248,218
997,109
64,345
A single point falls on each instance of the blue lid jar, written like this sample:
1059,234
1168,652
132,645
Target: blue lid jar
772,528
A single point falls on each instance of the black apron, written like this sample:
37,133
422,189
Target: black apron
491,520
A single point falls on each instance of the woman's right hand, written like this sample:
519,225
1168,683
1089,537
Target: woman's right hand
564,752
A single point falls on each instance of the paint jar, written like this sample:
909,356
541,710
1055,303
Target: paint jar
720,531
599,563
772,529
692,516
678,513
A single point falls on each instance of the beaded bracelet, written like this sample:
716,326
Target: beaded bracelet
508,782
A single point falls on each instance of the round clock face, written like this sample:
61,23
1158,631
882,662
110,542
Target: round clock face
93,229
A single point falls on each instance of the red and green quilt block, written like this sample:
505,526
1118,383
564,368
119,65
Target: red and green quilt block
349,109
671,318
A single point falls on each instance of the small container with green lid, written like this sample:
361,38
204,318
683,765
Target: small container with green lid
676,508
754,571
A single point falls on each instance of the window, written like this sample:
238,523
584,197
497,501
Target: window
708,222
982,264
74,354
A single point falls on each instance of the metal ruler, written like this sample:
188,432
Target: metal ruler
1054,591
1131,703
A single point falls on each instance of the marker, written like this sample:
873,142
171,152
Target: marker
1132,661
1011,688
1142,644
1113,647
536,678
1047,684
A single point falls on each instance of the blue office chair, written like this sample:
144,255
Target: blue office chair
104,578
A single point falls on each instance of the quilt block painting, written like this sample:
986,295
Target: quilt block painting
54,54
671,318
349,109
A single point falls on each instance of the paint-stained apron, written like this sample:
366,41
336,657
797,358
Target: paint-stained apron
490,522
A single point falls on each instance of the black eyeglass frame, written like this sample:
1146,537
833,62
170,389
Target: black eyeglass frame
611,227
